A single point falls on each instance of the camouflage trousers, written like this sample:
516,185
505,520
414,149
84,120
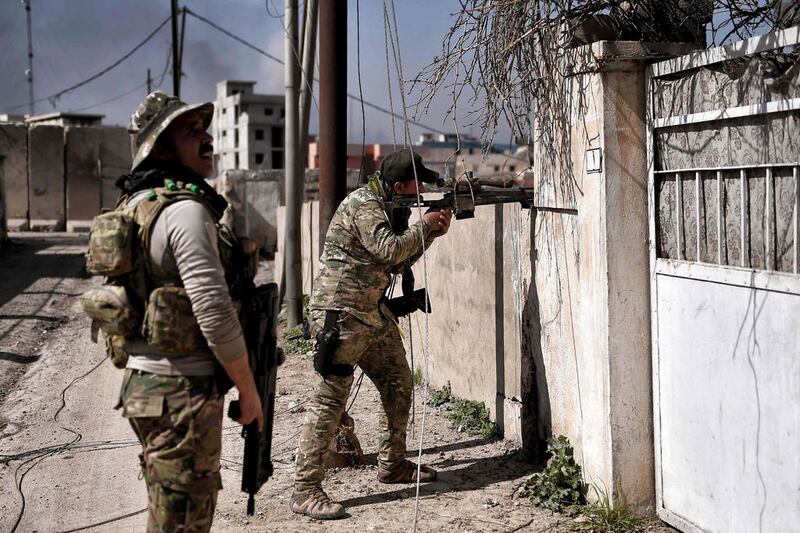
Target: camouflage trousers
178,420
380,354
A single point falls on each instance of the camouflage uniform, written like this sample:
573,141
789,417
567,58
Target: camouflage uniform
176,415
178,420
361,251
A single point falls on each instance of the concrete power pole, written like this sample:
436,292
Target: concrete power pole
332,110
294,182
176,62
29,72
306,82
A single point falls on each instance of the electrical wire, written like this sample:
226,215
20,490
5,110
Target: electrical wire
360,90
36,459
280,61
112,99
53,98
426,344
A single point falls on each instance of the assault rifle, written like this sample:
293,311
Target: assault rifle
464,194
265,357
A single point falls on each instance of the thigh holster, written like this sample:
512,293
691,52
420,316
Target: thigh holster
326,345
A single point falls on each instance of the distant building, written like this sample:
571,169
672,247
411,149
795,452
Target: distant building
373,154
8,118
448,153
66,119
248,127
439,152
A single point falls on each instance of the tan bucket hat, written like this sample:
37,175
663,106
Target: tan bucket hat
153,116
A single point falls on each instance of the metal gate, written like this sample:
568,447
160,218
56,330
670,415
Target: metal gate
723,157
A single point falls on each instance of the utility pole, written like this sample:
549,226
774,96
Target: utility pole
29,72
149,82
176,62
294,182
306,82
332,110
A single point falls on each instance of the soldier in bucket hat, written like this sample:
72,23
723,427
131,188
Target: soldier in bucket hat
364,247
169,393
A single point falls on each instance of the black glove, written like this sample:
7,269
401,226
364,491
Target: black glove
404,305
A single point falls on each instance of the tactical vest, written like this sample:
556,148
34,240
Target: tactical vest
138,297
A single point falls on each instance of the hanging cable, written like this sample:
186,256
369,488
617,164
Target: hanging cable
386,40
126,93
360,90
53,98
426,344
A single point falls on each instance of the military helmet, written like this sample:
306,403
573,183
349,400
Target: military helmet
153,116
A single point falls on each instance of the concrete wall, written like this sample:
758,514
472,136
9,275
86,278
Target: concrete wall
309,228
478,277
82,171
46,175
253,197
115,160
68,178
14,149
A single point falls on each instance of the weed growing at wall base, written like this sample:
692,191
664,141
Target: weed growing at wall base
560,488
466,415
417,378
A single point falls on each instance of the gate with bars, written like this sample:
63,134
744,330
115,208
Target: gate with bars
724,157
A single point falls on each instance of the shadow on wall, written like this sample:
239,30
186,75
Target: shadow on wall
537,424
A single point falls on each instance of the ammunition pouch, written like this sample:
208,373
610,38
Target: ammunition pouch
111,244
111,310
169,324
327,343
405,305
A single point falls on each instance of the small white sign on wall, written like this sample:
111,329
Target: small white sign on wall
594,160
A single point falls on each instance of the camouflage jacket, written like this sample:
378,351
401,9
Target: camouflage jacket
361,251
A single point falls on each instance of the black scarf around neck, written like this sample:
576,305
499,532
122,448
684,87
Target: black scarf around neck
151,174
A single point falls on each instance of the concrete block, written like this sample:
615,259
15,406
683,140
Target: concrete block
14,151
115,160
512,420
46,171
253,199
83,183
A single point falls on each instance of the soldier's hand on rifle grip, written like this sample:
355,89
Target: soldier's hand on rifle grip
250,409
441,222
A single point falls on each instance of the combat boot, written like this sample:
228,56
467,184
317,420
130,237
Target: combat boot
316,504
406,472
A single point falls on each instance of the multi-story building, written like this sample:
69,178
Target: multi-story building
247,127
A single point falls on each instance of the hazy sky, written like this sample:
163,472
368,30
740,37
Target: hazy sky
74,39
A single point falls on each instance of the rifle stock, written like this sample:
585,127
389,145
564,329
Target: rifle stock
265,357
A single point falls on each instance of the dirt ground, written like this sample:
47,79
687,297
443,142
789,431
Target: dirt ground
74,457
